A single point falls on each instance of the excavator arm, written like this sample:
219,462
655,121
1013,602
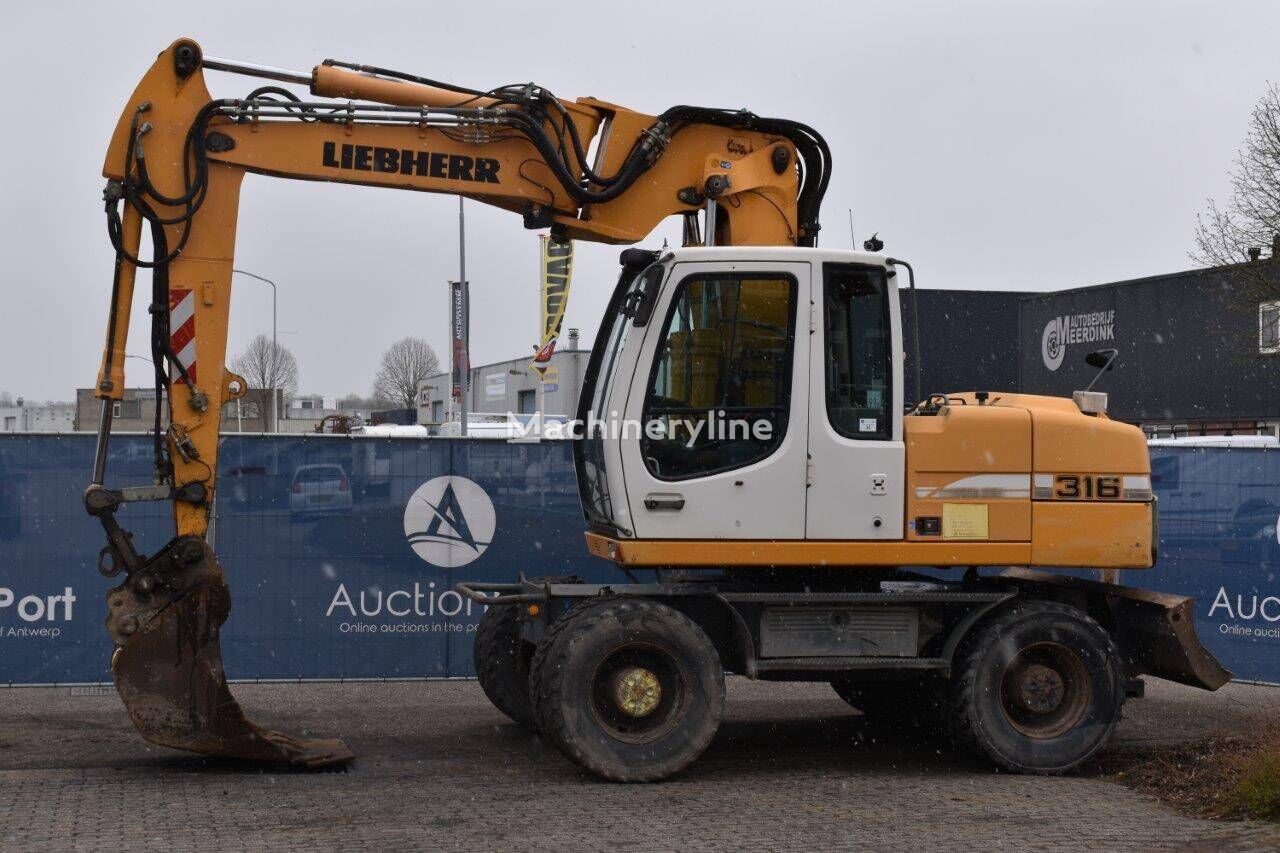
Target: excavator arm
174,168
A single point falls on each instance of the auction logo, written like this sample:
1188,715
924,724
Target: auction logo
449,521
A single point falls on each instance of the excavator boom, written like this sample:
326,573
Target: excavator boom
175,165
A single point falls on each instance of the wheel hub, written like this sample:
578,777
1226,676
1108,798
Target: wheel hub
1039,689
636,691
1044,690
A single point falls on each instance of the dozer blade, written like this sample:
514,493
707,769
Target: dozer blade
165,620
1156,631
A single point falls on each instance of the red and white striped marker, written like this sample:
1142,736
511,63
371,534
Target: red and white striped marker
182,330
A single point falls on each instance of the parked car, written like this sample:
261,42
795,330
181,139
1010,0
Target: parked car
1253,536
320,489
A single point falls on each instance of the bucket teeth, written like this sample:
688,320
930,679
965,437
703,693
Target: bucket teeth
168,671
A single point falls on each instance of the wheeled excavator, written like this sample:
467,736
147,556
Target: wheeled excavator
803,514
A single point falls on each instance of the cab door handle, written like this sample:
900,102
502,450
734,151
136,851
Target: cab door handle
660,502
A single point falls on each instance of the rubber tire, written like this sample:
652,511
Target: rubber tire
920,703
976,721
502,663
567,659
539,662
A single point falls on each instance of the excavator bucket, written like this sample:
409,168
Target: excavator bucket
165,619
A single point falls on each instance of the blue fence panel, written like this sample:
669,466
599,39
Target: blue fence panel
342,552
311,531
326,582
52,606
1218,542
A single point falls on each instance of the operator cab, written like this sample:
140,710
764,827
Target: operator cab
723,378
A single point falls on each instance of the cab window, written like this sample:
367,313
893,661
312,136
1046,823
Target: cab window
858,358
720,390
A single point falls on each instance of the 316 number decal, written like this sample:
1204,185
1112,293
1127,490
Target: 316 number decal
1086,487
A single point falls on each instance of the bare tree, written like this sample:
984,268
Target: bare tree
1250,219
404,365
266,366
6,399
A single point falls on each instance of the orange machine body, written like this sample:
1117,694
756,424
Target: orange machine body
1021,480
1016,480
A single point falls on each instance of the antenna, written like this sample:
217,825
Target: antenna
853,240
1101,359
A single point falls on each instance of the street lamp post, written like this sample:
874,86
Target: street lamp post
463,406
275,349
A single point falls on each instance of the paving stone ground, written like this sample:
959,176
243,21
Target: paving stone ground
439,768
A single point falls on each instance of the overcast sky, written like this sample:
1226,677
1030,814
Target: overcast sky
996,145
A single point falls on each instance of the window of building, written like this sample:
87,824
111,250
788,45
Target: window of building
527,402
720,390
306,404
127,409
859,352
11,423
1269,327
437,412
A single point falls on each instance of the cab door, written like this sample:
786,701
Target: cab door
856,449
716,408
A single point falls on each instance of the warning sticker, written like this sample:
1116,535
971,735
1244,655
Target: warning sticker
964,521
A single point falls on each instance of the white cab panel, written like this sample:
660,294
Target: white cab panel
711,358
857,470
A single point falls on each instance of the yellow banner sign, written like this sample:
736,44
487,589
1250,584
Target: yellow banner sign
556,270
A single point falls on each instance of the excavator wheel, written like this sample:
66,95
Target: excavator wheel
502,664
540,654
1038,689
915,705
629,689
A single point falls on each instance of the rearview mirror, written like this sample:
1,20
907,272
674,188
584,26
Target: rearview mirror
1101,358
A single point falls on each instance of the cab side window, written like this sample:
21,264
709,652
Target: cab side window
858,358
720,390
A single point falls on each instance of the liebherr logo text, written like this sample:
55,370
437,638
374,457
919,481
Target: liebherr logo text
424,164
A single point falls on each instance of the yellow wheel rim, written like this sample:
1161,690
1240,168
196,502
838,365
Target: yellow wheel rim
636,691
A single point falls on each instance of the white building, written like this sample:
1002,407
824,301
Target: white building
510,387
38,417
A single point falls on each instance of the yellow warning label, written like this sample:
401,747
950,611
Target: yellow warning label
964,521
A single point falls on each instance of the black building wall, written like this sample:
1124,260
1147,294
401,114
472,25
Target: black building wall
968,340
1188,346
